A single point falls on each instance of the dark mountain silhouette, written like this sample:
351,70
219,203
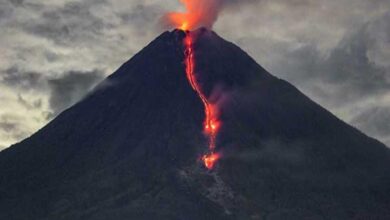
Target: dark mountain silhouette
131,148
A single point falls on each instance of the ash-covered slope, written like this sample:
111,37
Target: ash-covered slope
130,149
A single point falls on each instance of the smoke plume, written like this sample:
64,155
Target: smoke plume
198,13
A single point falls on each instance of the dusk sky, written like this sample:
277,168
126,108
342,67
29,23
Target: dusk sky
53,52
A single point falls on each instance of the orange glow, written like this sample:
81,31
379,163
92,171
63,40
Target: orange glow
184,26
211,123
198,13
209,160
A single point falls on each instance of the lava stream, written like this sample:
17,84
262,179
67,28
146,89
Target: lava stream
211,122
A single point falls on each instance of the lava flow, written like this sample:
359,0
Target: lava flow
211,122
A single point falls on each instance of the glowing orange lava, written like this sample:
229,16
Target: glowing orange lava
198,13
211,122
209,160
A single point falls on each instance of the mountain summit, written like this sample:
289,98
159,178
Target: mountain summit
131,149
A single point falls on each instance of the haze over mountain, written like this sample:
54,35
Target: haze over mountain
131,148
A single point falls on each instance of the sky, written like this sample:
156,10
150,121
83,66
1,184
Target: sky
52,53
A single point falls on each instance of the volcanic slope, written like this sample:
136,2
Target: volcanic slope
131,148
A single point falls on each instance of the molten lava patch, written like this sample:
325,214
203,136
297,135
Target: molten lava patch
209,160
211,123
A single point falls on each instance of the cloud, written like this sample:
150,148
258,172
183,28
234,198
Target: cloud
14,77
141,16
349,78
338,58
71,87
347,70
32,98
375,121
7,126
6,10
65,88
12,128
28,104
349,64
346,75
72,22
200,13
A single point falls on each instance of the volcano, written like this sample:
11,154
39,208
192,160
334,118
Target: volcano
133,147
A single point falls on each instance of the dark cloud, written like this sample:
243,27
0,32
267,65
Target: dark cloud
17,2
345,75
350,65
342,78
307,4
349,75
141,16
65,90
6,11
374,121
13,126
7,126
8,7
26,80
30,104
71,87
72,22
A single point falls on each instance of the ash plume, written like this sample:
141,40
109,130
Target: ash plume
198,13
